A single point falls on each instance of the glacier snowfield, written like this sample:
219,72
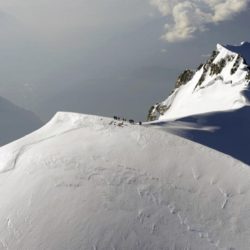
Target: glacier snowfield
83,182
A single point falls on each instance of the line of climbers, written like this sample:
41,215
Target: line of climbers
131,121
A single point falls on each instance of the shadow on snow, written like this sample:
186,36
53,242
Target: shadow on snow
228,132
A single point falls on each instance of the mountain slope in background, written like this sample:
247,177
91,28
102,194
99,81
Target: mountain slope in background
211,106
15,122
86,182
222,83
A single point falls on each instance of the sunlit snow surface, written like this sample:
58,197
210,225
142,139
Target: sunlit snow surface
214,112
217,92
83,182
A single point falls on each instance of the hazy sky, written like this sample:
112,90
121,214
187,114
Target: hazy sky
108,56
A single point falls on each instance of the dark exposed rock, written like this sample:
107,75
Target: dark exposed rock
236,64
185,77
161,109
212,69
230,58
202,78
216,69
207,66
248,76
151,113
212,57
155,111
200,66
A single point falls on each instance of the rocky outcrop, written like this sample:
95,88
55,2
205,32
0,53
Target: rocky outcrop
224,66
185,77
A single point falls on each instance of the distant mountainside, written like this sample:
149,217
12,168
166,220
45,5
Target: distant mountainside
15,122
211,105
220,84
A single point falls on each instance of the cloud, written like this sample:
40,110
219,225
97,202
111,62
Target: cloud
185,18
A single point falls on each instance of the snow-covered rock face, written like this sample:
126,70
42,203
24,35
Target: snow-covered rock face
217,85
86,182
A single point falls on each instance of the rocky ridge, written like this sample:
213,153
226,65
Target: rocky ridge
224,66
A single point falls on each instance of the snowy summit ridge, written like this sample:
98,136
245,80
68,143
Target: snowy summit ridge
89,182
220,84
77,183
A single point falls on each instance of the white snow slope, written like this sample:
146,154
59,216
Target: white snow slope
15,122
216,86
83,182
213,107
225,131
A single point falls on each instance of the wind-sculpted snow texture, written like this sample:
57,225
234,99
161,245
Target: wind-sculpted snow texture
83,182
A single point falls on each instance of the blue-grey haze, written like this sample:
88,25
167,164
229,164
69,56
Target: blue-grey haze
107,61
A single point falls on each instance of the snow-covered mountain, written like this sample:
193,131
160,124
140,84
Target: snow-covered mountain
86,182
15,121
221,84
